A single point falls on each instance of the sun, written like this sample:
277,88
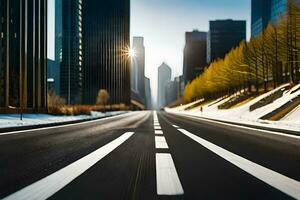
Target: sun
131,52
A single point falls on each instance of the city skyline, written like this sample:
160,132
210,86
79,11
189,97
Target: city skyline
166,45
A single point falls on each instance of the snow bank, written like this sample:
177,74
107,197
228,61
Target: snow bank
242,114
13,120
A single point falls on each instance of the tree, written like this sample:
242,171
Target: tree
102,98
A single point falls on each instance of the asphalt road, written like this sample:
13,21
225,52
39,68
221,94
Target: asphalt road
144,155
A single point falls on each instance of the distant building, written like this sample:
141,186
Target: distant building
148,96
23,56
68,47
195,55
171,92
224,35
260,16
164,77
138,66
106,38
53,76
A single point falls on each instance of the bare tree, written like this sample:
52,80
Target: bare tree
102,98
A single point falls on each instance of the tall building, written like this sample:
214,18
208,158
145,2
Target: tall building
148,96
260,16
106,40
138,65
164,77
23,55
194,60
53,76
224,35
278,9
68,48
171,92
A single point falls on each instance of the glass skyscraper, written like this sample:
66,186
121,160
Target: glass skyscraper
68,48
106,40
278,9
224,35
194,59
23,55
260,16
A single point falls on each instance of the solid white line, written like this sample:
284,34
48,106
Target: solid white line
160,142
242,127
175,126
167,179
63,126
51,184
158,132
285,184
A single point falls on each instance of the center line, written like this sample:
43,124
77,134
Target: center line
160,142
46,187
283,183
167,179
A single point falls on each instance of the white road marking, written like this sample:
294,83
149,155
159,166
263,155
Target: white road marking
156,124
67,125
158,132
175,126
157,127
242,127
167,179
51,184
160,142
283,183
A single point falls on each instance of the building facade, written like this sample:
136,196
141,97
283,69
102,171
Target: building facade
138,65
106,41
23,55
68,48
260,16
164,77
278,9
194,60
224,35
53,76
148,96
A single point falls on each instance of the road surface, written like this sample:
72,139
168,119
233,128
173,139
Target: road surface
149,155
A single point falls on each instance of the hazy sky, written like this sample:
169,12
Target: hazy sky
163,24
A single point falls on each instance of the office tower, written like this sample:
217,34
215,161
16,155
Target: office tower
106,40
53,76
138,65
260,16
224,35
68,48
171,92
23,55
278,10
148,96
194,60
164,77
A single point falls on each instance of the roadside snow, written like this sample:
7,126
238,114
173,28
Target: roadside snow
242,114
13,120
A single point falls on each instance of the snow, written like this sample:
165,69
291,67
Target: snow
242,114
13,120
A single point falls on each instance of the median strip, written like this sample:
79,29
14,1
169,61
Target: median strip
51,184
285,184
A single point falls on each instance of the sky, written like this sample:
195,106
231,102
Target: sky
163,24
